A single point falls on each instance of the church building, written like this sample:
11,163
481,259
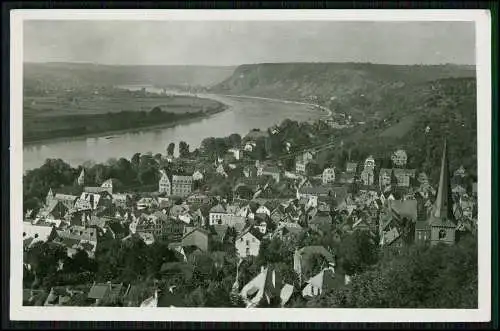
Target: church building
440,226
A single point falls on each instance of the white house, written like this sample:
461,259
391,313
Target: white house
34,233
147,202
263,210
319,283
197,175
300,165
328,175
248,243
236,152
369,163
262,227
108,184
249,146
399,158
221,171
164,185
215,214
246,212
267,285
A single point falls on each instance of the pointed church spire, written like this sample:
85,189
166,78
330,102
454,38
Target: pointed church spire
443,206
50,197
81,178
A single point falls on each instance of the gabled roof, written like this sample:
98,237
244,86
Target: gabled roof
293,228
79,233
278,214
271,169
232,209
65,197
99,291
220,231
93,189
47,210
404,208
253,231
219,208
266,284
307,251
323,279
196,229
36,232
178,177
316,190
391,236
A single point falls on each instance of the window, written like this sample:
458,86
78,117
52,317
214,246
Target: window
442,234
248,242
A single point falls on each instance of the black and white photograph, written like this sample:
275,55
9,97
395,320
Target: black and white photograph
236,160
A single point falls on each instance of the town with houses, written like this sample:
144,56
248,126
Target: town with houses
395,206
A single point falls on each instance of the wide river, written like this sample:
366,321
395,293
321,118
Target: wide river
242,115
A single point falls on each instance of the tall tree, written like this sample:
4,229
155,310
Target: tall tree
235,140
183,149
171,149
357,252
44,258
135,160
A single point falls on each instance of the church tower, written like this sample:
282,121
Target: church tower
50,197
442,221
81,178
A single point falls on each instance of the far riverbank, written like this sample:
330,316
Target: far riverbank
107,133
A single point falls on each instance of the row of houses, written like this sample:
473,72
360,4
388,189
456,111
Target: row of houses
199,222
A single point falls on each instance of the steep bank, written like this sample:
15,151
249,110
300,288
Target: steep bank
353,86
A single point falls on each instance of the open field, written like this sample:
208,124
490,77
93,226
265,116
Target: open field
401,128
67,104
52,117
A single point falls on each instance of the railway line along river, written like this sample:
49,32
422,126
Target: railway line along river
243,114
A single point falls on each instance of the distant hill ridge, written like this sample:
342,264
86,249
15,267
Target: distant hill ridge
338,80
71,74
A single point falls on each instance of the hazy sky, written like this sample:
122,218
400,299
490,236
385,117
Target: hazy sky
239,42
